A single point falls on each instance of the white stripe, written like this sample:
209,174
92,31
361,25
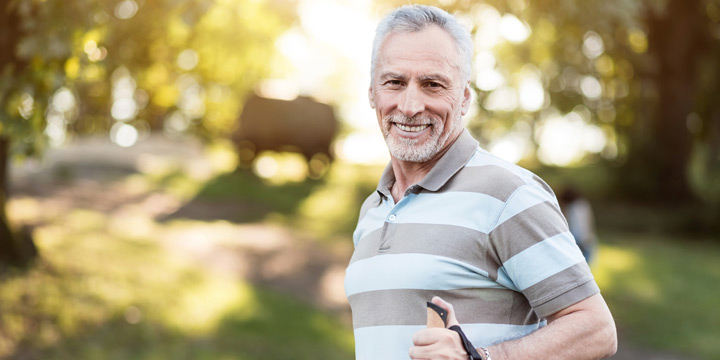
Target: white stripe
543,260
394,342
413,271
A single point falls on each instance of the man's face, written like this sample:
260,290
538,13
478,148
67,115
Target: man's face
418,93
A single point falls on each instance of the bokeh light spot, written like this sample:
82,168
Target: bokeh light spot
591,87
593,45
126,9
513,29
188,59
124,135
265,166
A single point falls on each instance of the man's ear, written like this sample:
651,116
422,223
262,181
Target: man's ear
467,96
371,97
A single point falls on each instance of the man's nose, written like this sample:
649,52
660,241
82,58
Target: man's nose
411,101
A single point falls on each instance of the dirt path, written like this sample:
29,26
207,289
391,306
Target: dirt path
267,255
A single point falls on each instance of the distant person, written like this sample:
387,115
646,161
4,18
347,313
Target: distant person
483,238
581,221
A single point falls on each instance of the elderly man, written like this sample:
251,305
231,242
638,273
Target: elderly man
483,238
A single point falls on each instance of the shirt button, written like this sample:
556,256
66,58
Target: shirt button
392,217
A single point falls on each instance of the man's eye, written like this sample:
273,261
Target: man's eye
393,82
433,84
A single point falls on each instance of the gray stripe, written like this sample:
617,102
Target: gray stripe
407,307
562,289
543,184
527,228
455,242
484,179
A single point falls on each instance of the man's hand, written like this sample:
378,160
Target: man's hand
439,343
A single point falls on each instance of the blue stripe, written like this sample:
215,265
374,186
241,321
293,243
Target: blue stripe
483,158
467,209
393,342
543,260
524,198
470,210
413,271
384,342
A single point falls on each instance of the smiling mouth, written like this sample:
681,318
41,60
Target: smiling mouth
413,128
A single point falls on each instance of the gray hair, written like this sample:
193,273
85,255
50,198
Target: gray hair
412,18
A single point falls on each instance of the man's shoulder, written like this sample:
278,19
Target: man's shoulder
485,167
496,168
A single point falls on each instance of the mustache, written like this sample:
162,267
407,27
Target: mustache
414,120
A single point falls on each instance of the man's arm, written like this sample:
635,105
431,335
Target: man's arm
585,330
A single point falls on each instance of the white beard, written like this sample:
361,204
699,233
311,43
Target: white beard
411,149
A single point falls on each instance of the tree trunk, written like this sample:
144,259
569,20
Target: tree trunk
15,249
10,252
676,42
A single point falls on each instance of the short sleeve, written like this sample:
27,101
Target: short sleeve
539,255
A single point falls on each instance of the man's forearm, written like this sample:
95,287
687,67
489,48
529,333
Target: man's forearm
585,330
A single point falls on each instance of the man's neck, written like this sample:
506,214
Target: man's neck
408,173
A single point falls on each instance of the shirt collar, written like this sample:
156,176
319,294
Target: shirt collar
454,159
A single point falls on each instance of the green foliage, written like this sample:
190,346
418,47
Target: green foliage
639,72
195,60
128,67
37,40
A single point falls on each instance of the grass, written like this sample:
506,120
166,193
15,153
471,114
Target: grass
106,286
98,297
663,291
328,208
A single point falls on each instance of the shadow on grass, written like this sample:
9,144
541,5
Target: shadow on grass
326,208
242,197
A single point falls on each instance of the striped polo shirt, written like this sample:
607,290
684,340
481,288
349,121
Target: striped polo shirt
482,233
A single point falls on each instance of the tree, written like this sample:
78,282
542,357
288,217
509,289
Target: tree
642,72
684,55
33,47
84,66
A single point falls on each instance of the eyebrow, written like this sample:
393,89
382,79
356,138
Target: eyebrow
432,77
422,78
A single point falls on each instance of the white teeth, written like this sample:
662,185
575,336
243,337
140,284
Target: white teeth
411,128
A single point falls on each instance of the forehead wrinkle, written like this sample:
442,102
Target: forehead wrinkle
423,75
424,62
392,75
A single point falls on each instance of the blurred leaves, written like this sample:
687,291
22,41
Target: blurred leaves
640,74
191,61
